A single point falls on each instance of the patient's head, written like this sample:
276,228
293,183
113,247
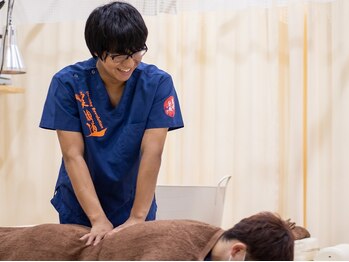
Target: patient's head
263,236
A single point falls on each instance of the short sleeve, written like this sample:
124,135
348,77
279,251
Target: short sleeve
165,111
60,109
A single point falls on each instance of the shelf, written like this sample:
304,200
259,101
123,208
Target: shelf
5,89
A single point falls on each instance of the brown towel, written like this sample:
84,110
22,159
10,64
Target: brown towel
45,242
155,240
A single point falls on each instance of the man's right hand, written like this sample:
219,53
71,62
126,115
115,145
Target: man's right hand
97,233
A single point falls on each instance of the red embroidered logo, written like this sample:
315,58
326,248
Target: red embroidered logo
169,107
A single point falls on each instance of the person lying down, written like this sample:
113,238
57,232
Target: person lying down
263,236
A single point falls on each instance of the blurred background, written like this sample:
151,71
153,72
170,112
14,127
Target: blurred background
262,87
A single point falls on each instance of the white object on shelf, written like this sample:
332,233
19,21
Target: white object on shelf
335,253
5,79
306,249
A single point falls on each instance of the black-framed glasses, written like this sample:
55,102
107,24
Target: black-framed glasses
137,56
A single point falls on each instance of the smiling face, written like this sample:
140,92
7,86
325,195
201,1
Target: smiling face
116,34
116,73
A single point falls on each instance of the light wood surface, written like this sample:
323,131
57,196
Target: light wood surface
7,89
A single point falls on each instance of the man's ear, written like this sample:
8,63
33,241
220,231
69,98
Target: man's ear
238,251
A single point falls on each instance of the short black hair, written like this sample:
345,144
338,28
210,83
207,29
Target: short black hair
116,27
266,235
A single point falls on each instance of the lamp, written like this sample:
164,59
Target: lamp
11,59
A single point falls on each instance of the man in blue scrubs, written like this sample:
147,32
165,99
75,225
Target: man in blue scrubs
111,113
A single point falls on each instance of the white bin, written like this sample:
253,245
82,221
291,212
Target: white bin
202,203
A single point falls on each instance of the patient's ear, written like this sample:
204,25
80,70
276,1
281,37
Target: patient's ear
238,251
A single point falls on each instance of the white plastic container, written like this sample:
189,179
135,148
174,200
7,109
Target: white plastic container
202,203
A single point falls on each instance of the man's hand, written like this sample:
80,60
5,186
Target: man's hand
129,222
97,233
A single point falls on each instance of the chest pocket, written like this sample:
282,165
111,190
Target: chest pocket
126,153
131,139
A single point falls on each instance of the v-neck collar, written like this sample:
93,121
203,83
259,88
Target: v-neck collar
104,96
103,93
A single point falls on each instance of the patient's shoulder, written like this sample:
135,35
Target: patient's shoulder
60,228
44,229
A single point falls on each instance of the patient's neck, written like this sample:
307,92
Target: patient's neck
222,250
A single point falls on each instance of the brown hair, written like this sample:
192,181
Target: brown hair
266,235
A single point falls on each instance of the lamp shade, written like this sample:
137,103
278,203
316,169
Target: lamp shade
12,62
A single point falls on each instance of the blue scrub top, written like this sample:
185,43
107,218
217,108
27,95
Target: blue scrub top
78,101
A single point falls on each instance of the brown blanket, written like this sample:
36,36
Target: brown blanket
155,240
